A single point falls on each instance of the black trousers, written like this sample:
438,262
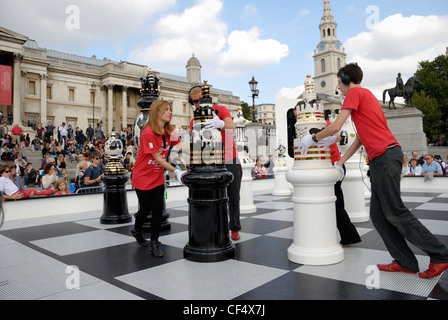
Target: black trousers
346,229
233,192
150,201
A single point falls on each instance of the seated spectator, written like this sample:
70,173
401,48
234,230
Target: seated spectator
414,169
72,153
128,162
31,175
21,163
15,177
61,187
65,175
50,176
94,172
439,160
10,190
419,160
259,171
15,151
405,167
431,168
269,165
79,179
61,161
27,141
177,162
45,160
6,153
36,144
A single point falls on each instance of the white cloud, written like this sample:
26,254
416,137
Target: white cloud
46,21
290,93
396,44
201,31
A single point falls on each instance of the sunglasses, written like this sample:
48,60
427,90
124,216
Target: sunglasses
96,158
195,101
6,171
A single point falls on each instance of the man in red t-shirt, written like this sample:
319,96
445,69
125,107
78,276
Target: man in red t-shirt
393,221
223,121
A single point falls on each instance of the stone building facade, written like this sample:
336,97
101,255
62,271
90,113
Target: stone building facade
57,86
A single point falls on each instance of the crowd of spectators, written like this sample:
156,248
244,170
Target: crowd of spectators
59,146
428,166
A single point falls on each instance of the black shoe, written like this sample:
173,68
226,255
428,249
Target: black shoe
139,237
154,249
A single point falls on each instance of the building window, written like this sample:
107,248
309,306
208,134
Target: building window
71,94
322,65
32,88
49,91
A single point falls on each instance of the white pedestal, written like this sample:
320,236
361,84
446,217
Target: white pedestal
281,185
315,233
246,194
354,192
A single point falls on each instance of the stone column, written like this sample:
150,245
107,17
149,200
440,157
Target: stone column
17,101
125,109
110,109
43,98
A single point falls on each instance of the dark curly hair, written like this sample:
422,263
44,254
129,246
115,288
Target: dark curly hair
353,71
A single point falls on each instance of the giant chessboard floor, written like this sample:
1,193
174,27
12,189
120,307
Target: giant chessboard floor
42,258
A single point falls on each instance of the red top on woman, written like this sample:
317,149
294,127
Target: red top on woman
148,173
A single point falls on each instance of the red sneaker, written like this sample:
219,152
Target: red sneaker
434,270
393,267
235,235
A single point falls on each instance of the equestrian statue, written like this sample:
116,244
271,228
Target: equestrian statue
406,91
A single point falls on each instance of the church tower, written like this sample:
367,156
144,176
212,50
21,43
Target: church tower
329,57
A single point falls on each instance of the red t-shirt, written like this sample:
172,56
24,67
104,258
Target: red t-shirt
370,121
227,138
148,173
335,154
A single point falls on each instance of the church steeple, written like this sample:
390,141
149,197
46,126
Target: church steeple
327,24
329,56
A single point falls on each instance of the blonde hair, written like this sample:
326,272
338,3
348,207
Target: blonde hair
81,164
157,107
195,90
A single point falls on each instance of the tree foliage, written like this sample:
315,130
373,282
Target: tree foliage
432,95
247,111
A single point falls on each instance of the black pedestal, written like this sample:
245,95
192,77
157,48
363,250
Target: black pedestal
208,225
115,208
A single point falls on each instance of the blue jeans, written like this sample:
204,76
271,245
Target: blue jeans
393,221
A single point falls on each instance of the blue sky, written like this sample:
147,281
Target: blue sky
235,39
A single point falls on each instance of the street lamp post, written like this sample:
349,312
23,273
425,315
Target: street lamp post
253,87
93,90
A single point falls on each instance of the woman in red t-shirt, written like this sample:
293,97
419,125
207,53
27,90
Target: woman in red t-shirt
148,175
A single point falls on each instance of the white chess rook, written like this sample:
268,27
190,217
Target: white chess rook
354,191
313,177
315,240
246,194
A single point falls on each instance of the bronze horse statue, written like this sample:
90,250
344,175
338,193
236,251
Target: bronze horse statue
407,93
